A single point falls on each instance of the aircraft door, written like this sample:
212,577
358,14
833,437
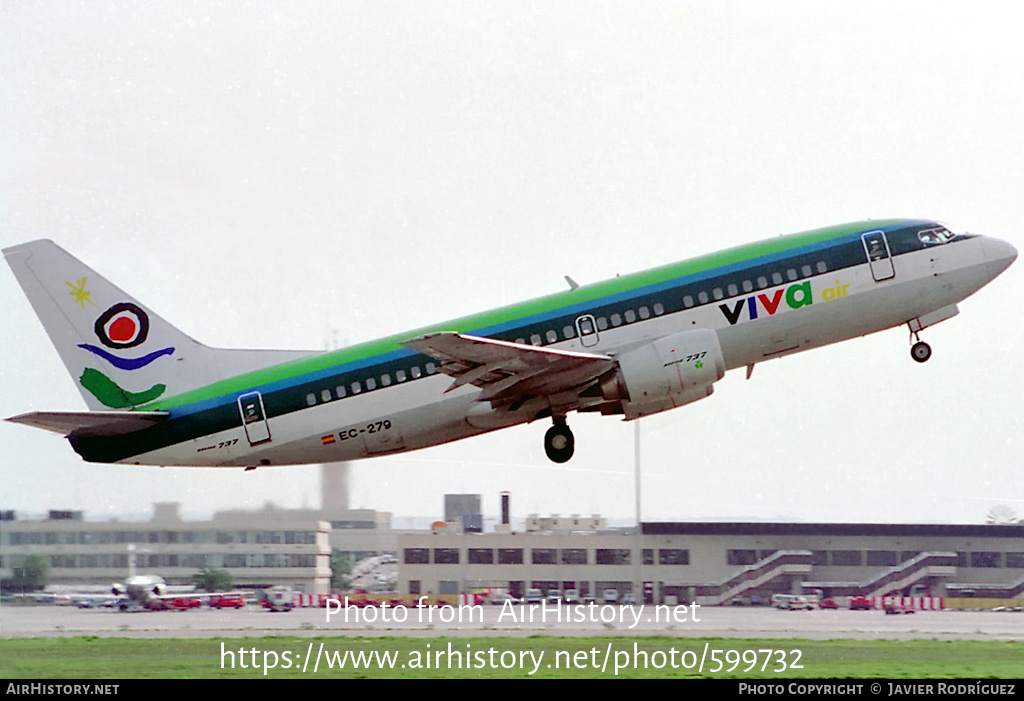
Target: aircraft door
586,327
254,418
879,256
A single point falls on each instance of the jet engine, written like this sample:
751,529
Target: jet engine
667,373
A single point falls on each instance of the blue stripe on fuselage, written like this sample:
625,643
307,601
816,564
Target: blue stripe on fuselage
536,319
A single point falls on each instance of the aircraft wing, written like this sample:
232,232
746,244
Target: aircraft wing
508,371
91,423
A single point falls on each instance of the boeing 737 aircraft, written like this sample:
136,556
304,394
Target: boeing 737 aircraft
633,346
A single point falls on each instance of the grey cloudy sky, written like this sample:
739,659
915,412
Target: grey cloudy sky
272,174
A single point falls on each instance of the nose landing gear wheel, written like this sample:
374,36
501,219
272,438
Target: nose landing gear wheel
559,443
920,351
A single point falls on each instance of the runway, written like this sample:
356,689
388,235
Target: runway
682,621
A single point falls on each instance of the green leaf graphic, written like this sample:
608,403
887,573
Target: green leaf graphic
108,392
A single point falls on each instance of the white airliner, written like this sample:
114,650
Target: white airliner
633,346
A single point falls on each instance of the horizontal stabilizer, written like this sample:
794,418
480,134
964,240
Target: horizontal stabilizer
91,423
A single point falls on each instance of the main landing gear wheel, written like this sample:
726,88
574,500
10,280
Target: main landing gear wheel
920,351
559,443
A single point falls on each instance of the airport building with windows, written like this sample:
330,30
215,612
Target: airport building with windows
709,563
719,563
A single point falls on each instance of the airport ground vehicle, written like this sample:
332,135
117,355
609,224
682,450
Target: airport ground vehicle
230,600
896,609
793,602
279,598
534,596
860,603
610,596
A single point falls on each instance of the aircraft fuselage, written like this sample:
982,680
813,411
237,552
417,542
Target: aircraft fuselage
761,301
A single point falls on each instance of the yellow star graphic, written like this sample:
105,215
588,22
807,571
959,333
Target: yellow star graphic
80,294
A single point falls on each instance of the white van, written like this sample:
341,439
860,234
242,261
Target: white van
280,598
795,602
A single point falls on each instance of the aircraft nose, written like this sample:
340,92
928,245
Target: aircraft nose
998,255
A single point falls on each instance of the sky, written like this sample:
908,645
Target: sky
307,174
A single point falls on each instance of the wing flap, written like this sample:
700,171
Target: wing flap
91,423
506,370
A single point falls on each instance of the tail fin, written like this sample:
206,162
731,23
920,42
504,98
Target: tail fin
120,353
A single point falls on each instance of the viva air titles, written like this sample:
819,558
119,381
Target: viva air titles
767,304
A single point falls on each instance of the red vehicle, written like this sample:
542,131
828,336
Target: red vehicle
183,603
828,603
219,601
860,603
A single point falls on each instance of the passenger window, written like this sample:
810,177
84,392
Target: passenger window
400,375
385,380
687,301
310,399
791,274
602,323
616,320
535,339
339,391
806,270
521,340
644,313
732,290
551,335
356,388
416,372
326,395
569,332
431,368
821,266
762,282
630,316
371,383
748,286
659,309
717,293
702,297
776,278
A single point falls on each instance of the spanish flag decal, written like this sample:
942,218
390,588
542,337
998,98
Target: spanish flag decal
327,440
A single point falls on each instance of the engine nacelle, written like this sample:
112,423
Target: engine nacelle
667,373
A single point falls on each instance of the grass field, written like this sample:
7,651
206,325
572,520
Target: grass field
503,657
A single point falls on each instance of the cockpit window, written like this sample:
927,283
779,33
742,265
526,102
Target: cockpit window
934,237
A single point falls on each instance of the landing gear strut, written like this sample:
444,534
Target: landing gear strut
559,443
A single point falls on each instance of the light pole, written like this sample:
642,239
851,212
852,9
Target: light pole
638,542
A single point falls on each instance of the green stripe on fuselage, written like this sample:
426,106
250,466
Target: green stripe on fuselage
542,305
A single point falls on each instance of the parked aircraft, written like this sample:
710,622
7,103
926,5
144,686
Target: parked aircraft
632,346
139,591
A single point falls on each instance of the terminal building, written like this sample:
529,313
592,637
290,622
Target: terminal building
720,563
259,549
708,563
